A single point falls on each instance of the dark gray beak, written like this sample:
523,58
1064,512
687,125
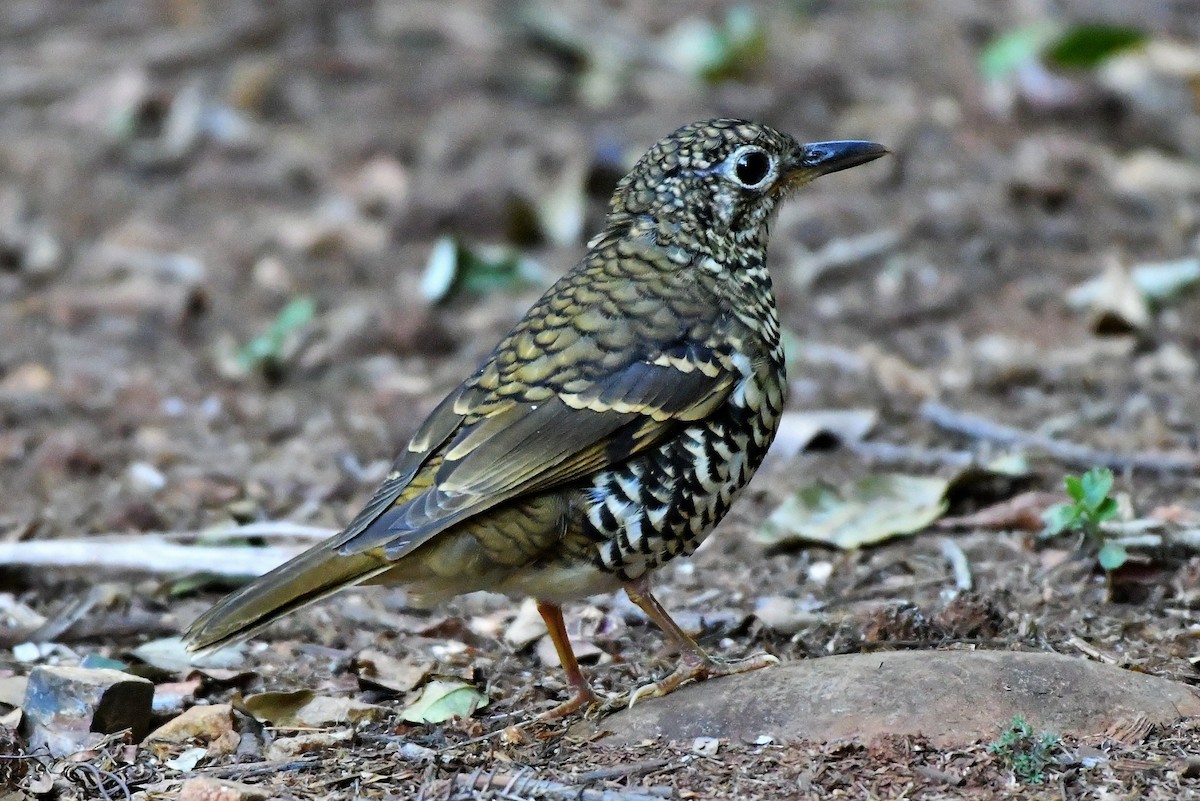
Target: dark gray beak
821,158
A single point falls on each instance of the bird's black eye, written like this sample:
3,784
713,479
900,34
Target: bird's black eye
751,167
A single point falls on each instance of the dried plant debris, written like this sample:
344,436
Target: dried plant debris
869,511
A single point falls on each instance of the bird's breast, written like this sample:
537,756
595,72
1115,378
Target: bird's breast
666,500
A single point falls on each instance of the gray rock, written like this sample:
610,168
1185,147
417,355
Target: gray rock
951,697
68,708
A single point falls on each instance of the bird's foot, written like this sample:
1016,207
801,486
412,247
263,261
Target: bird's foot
582,699
698,669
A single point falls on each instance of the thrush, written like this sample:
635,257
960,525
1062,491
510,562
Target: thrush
610,430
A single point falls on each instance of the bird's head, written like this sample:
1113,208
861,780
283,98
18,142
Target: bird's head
721,180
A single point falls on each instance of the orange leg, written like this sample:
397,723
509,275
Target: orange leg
583,695
694,663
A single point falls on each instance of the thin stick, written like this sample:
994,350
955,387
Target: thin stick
147,553
260,529
531,787
958,563
1072,453
254,769
1099,655
892,453
622,771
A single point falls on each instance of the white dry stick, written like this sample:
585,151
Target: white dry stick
262,529
958,563
147,553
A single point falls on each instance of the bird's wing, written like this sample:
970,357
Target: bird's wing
596,390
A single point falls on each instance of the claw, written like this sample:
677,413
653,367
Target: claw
699,670
580,700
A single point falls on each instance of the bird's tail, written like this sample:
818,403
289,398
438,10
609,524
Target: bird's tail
315,574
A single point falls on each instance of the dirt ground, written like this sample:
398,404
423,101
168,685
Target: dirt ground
174,173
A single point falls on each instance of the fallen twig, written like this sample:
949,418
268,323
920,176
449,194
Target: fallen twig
254,769
147,553
1072,453
891,453
622,771
1092,651
524,785
933,774
75,610
262,529
958,563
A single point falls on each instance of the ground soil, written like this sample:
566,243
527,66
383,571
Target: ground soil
336,143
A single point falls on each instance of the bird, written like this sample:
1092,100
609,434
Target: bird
609,431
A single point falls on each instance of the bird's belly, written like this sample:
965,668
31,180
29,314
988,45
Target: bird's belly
559,581
663,504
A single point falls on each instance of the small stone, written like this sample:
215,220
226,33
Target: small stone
66,706
211,725
12,690
145,477
381,186
819,572
26,652
204,788
1148,172
706,746
272,274
286,748
30,378
171,698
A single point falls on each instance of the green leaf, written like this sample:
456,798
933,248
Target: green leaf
97,662
868,511
443,699
269,345
1089,46
1107,510
1074,487
1060,518
1096,485
453,267
1112,555
1010,51
717,52
1163,280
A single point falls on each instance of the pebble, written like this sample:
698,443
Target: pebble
145,477
205,788
67,708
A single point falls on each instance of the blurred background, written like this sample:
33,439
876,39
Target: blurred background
246,246
217,219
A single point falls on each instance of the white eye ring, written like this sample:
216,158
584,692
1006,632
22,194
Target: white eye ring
751,167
